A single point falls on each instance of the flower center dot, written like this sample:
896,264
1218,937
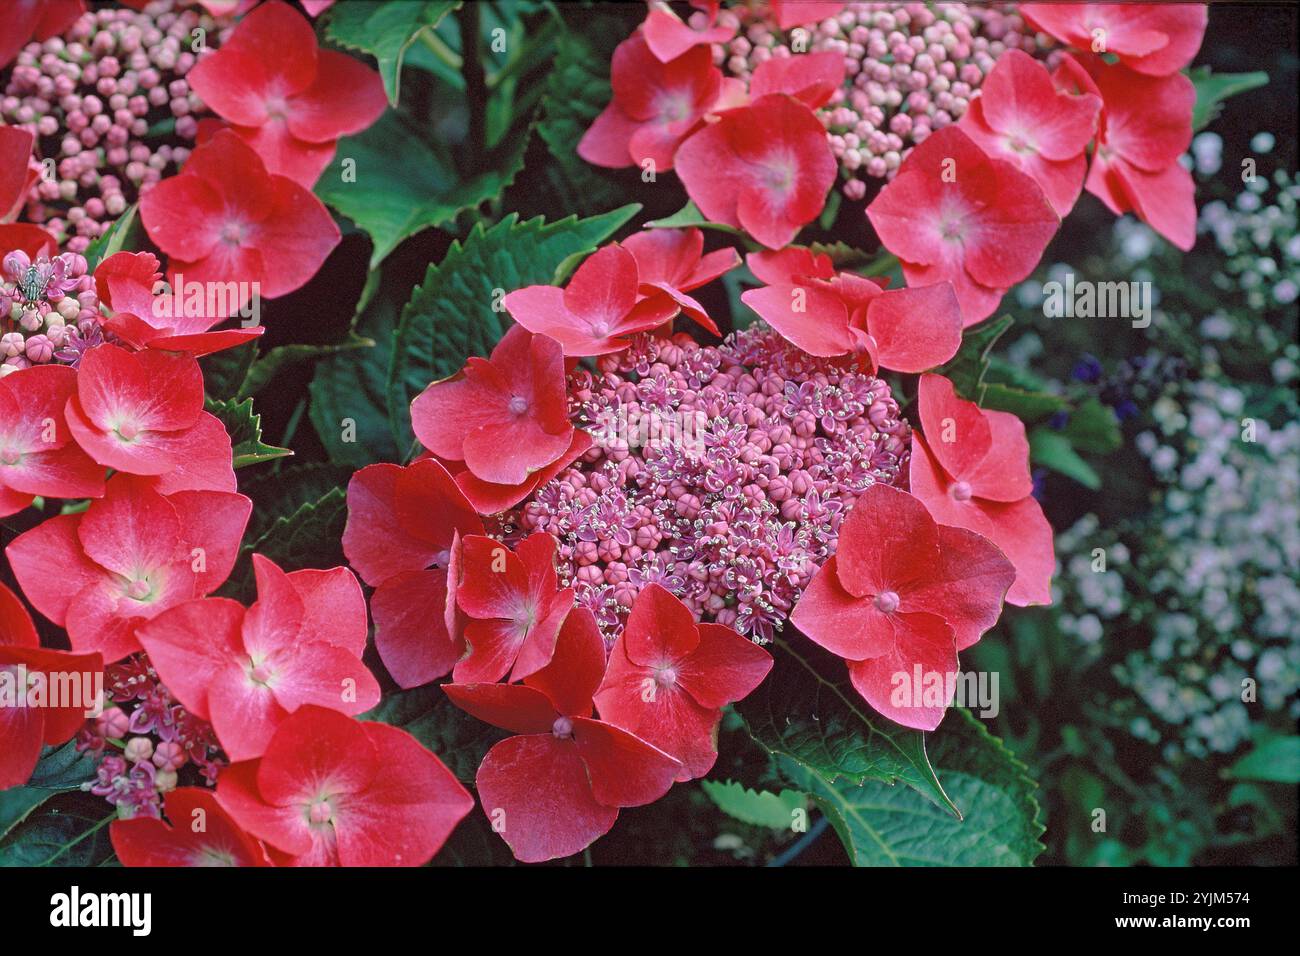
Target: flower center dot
10,457
961,491
562,728
887,602
518,405
320,812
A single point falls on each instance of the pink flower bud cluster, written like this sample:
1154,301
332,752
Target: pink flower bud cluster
49,311
911,68
109,103
143,741
736,503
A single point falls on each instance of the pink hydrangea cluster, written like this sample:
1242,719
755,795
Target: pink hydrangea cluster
143,740
721,473
911,68
109,103
49,310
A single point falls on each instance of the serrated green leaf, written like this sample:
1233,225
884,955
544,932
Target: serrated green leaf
1053,450
59,770
281,492
386,31
894,826
1026,405
392,201
1213,88
808,711
1276,760
966,369
451,314
760,808
310,537
125,235
267,366
69,830
245,429
428,714
224,372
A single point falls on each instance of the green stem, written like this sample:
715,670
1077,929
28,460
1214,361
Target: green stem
476,92
444,53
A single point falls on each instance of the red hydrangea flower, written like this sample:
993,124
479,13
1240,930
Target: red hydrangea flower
559,785
333,791
798,13
125,283
672,261
1146,125
764,168
201,833
655,106
599,308
283,95
1152,38
42,19
514,604
142,413
668,679
17,174
127,558
668,37
1022,117
402,523
506,417
490,498
37,453
954,214
829,315
225,218
903,592
811,78
971,469
25,729
246,671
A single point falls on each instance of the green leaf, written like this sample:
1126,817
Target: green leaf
966,369
125,235
761,808
893,826
1213,88
392,201
69,830
808,711
690,216
386,31
267,366
310,537
1093,428
280,492
245,429
428,714
225,372
453,313
1276,760
577,89
58,771
1053,450
1025,405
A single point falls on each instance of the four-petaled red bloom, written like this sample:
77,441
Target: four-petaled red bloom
971,468
227,219
954,214
903,593
126,282
672,262
764,168
25,664
1146,125
505,417
514,604
284,96
668,679
245,672
37,453
559,785
127,558
402,524
142,413
334,791
201,833
668,37
832,314
1152,38
599,308
655,106
1022,117
42,19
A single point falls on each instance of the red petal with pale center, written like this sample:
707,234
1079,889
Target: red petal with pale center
888,682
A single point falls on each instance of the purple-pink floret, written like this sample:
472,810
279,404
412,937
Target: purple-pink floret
721,473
